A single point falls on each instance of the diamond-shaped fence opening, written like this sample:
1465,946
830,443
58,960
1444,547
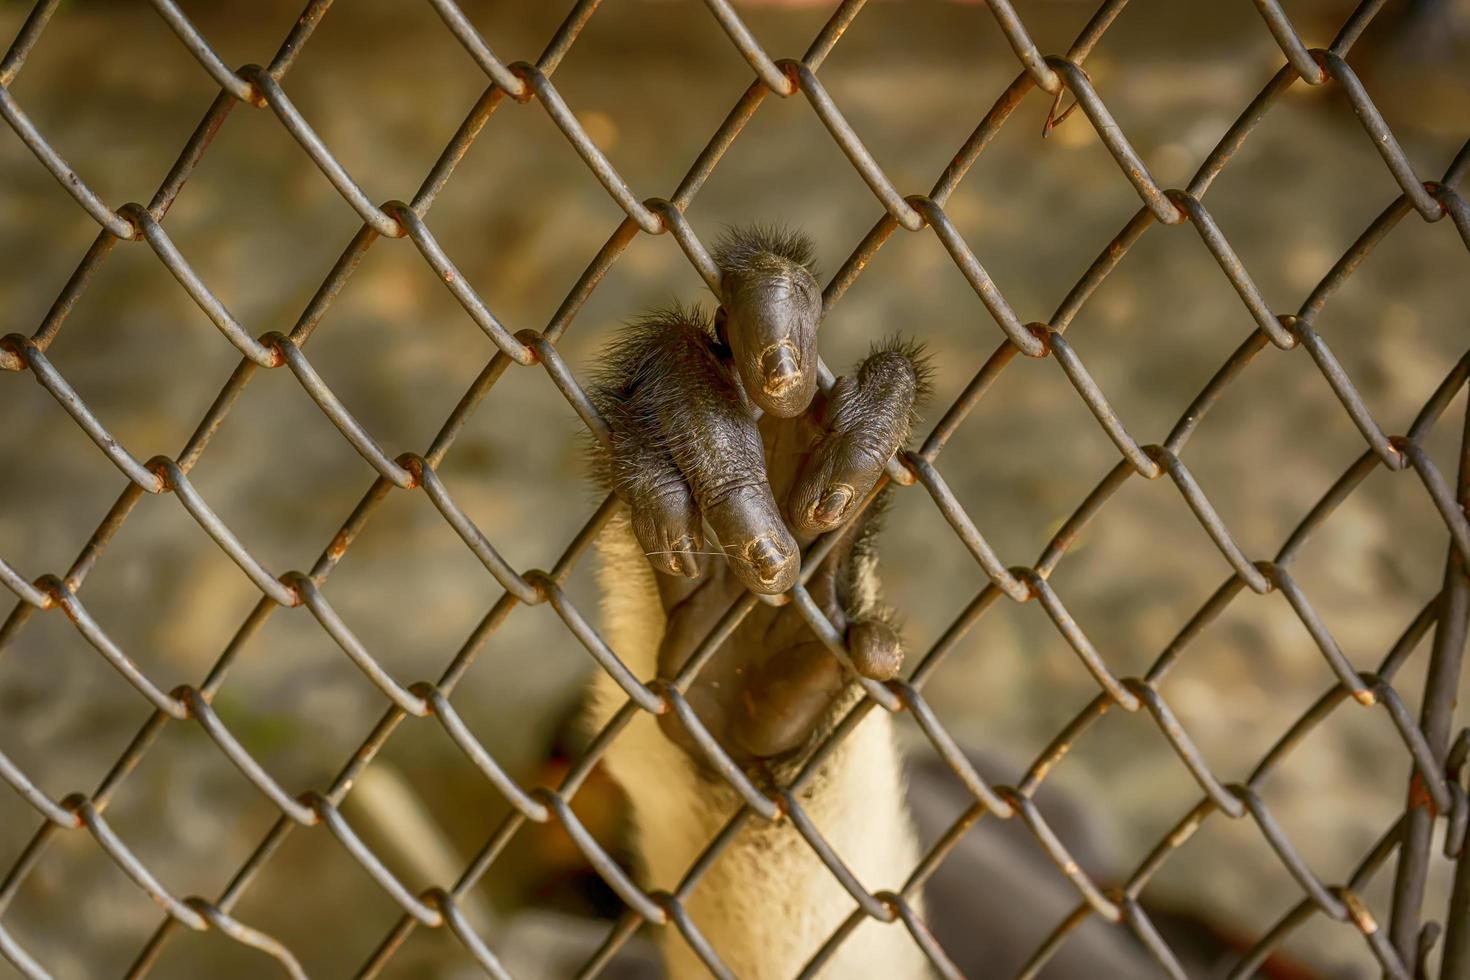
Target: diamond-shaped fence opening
1375,622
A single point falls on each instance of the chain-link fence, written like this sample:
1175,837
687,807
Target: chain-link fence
1430,832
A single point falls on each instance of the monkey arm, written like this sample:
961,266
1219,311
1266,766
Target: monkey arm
687,451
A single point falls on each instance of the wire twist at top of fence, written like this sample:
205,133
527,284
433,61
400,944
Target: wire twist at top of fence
1437,763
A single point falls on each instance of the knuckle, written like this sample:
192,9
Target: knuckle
721,492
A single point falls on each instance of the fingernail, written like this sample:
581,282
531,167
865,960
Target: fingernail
780,369
833,506
768,558
683,558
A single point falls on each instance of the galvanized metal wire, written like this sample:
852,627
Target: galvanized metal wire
1437,748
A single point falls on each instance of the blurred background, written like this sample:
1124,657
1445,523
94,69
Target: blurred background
386,85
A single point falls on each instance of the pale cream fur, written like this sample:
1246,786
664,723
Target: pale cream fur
768,903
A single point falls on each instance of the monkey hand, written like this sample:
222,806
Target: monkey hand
722,425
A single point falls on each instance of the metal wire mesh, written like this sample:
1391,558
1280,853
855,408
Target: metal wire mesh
1438,751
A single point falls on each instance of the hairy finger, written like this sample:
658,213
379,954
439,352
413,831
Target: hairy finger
867,418
769,316
714,441
666,521
637,466
675,405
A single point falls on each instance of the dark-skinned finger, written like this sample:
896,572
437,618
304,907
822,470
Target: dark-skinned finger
668,528
711,437
876,649
640,470
771,307
868,417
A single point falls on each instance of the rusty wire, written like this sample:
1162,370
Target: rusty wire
1437,751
